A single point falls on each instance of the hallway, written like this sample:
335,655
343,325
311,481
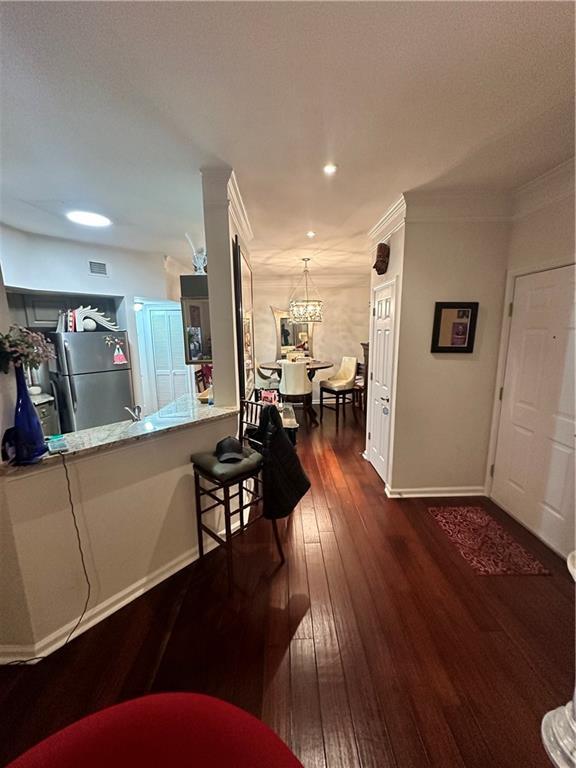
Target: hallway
377,645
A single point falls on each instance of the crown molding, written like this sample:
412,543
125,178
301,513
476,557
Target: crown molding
449,206
391,222
552,187
474,205
238,211
458,205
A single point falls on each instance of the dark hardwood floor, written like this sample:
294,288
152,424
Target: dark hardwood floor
376,645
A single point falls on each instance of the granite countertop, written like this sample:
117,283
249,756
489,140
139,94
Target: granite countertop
183,412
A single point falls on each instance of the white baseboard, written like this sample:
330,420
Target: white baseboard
417,493
99,612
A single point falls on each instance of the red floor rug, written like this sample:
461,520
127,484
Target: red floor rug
484,544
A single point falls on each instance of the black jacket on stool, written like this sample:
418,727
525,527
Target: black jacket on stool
283,479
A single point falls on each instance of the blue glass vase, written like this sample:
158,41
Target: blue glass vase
29,441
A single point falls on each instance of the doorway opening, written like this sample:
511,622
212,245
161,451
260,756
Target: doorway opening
164,374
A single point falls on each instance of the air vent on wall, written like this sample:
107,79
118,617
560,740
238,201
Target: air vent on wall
98,268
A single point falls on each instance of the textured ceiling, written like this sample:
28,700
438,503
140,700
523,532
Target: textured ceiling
116,106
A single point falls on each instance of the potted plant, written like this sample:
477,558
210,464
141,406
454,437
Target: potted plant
24,442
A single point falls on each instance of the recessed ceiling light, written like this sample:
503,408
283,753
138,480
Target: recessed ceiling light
88,219
310,234
330,169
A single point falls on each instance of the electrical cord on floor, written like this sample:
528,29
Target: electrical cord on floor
87,578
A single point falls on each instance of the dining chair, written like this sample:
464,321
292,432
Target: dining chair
200,379
359,392
339,389
295,385
265,380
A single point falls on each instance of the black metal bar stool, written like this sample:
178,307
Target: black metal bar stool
224,477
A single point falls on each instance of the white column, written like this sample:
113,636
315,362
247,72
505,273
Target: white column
220,284
559,725
7,381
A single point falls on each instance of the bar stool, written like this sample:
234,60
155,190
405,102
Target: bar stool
224,477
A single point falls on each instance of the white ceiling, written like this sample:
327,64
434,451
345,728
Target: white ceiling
114,107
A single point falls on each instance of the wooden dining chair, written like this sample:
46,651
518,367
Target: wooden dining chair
359,392
200,380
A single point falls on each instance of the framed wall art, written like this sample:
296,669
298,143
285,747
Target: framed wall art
454,327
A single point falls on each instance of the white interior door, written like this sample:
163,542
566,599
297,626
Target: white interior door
169,375
381,369
534,466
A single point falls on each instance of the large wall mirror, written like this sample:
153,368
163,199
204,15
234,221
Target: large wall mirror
291,336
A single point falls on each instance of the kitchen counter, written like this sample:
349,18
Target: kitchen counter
183,412
133,495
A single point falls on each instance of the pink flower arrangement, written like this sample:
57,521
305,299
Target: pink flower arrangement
23,348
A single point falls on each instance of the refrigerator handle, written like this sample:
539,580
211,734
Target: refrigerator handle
70,376
54,395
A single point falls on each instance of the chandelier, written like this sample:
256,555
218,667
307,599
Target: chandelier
307,308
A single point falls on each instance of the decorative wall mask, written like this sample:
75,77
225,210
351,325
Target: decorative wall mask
382,258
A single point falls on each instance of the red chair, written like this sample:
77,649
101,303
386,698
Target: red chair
169,730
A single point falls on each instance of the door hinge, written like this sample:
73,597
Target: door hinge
501,393
373,311
371,374
510,308
492,471
369,435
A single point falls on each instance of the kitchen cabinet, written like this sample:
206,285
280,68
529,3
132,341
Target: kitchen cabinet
41,310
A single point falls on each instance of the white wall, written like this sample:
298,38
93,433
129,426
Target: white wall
444,401
345,319
448,246
35,262
458,245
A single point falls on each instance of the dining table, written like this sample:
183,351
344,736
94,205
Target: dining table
312,365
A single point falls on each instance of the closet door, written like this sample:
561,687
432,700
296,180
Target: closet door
171,374
534,467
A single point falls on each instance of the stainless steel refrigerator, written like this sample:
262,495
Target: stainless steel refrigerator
92,377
